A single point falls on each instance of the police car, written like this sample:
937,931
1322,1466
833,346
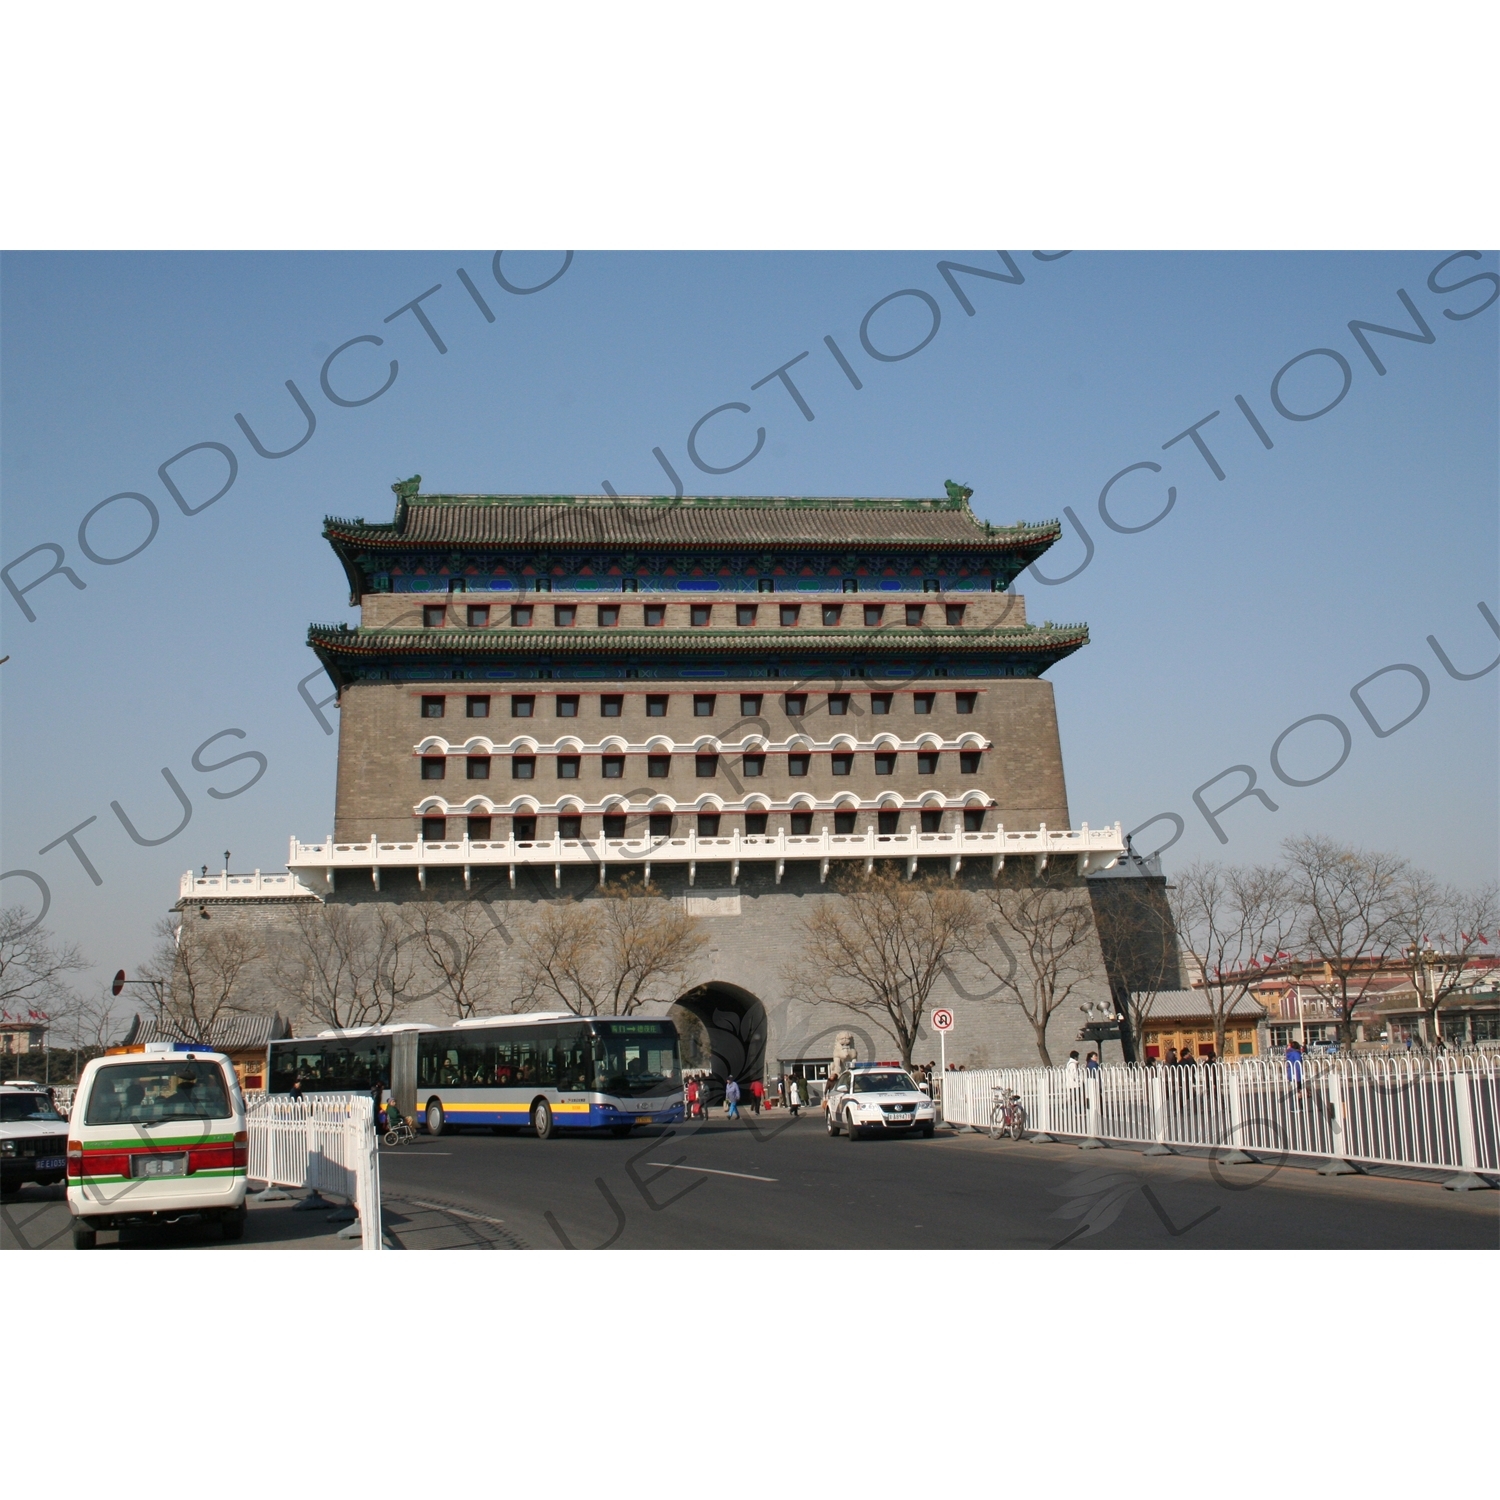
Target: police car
33,1137
877,1099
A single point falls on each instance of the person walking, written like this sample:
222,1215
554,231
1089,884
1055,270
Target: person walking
732,1099
757,1093
1294,1064
794,1096
692,1098
1171,1057
1092,1065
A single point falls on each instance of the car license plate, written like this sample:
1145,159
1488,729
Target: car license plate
173,1164
51,1163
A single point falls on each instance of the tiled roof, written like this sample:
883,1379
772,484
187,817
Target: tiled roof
717,522
228,1033
700,642
1184,1005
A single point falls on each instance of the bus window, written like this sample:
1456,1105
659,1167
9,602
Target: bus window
636,1058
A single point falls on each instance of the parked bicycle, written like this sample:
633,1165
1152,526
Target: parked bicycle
400,1133
1008,1116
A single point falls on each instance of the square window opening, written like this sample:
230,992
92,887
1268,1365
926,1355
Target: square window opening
885,762
567,706
656,706
796,705
927,762
520,615
432,708
968,761
523,767
703,705
701,614
658,765
789,613
932,820
843,822
570,826
750,705
973,820
843,764
706,765
432,615
922,702
522,706
796,765
613,767
614,825
755,824
661,825
479,828
888,823
801,823
478,707
832,613
567,767
954,614
654,614
523,829
479,768
434,767
964,702
610,705
873,615
609,616
753,765
914,613
479,616
744,614
838,704
434,830
565,615
708,825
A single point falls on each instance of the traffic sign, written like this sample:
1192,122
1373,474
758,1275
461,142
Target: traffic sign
942,1020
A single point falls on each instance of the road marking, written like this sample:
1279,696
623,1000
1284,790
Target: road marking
462,1213
673,1166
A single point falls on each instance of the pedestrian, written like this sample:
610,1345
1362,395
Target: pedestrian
295,1092
1171,1057
1186,1059
732,1099
757,1093
794,1096
1092,1064
377,1095
1294,1064
692,1098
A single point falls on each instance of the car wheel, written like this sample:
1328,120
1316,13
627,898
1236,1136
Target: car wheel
852,1129
541,1120
833,1124
84,1239
435,1117
232,1225
927,1131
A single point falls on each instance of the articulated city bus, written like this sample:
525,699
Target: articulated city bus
551,1071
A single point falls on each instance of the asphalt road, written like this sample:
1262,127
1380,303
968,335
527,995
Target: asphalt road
778,1184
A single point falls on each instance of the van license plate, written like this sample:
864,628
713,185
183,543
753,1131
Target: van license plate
51,1163
172,1164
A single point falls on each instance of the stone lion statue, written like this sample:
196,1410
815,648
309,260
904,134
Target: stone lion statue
843,1053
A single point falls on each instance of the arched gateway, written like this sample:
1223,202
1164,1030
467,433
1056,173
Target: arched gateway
722,1027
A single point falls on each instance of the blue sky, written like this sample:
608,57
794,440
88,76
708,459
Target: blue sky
1261,599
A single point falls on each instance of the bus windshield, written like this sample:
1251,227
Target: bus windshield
632,1059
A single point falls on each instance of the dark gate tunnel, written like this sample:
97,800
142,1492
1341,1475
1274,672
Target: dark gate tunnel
724,1028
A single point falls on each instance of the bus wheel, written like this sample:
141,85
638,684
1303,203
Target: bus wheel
619,1130
541,1119
434,1117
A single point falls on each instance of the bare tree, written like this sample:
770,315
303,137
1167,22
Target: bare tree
88,1024
1138,940
1348,901
201,973
881,946
1231,920
1440,930
350,966
608,954
34,966
454,939
1045,931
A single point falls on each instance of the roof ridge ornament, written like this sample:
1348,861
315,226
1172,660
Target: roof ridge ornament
958,493
406,489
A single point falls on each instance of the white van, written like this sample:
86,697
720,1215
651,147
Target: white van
157,1136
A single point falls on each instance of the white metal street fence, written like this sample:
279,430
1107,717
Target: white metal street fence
1412,1112
325,1142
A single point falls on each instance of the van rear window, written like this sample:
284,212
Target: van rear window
140,1093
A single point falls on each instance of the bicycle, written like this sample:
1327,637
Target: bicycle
400,1134
1008,1117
